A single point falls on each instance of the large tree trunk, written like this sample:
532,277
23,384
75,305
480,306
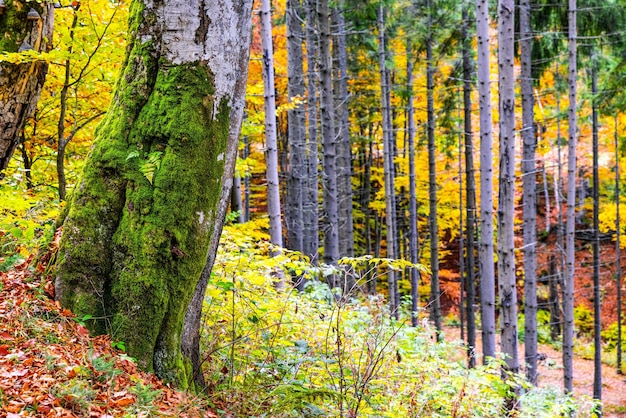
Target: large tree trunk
20,84
506,196
271,142
570,223
296,129
487,274
530,197
144,222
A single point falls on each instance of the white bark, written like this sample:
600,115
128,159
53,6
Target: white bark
271,143
486,254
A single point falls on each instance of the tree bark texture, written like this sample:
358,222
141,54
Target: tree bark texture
506,197
311,200
294,217
271,141
344,154
388,161
143,225
570,222
470,187
413,238
329,140
486,254
21,84
529,196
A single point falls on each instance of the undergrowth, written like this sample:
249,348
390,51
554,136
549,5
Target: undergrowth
322,352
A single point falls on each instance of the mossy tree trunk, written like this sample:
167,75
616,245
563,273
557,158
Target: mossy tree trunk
20,84
144,221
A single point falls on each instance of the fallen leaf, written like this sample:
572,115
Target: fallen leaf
4,350
125,401
82,331
6,336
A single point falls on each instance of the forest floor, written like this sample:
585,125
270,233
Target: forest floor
551,375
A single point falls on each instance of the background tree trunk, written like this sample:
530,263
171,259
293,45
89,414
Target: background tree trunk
487,274
329,141
506,195
618,250
144,222
570,227
21,84
310,206
294,217
529,196
387,161
271,143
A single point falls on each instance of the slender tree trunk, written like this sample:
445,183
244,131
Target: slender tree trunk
570,229
141,233
412,188
235,199
470,187
294,214
506,197
435,301
344,155
487,276
388,160
329,141
311,202
21,84
529,196
556,320
271,144
618,250
246,183
597,313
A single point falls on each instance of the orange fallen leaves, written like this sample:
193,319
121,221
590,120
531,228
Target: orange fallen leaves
47,361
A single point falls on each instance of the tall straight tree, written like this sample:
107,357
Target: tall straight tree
597,325
294,216
433,225
311,244
618,249
470,189
413,238
329,140
143,225
570,222
506,196
271,143
529,195
344,156
487,273
21,83
388,159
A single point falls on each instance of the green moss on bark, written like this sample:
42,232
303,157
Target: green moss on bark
133,249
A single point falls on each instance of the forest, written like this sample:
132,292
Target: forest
350,208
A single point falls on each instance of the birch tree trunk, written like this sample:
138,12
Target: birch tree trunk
387,161
506,197
143,225
570,223
21,84
311,201
294,215
487,273
271,143
329,141
529,196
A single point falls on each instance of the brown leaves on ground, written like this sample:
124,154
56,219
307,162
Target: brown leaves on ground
50,366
